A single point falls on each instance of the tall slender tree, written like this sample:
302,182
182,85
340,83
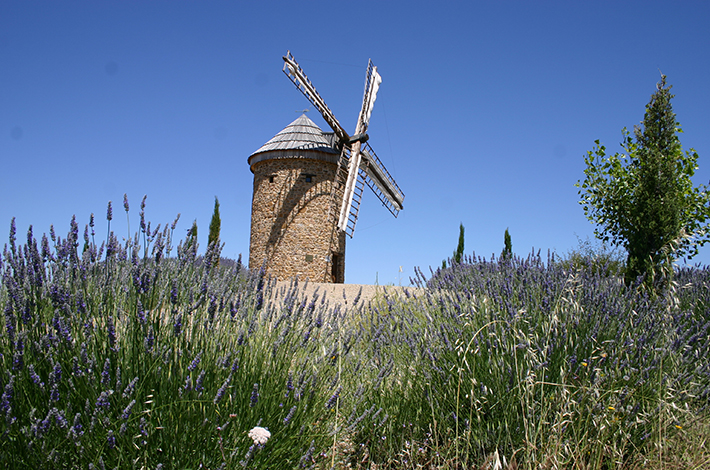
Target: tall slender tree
215,224
507,247
191,240
644,198
458,254
213,238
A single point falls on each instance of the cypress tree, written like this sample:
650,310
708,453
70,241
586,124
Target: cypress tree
458,254
508,246
215,224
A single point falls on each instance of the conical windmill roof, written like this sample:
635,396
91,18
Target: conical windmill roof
301,134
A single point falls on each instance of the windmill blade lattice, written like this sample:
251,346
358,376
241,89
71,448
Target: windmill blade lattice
358,164
296,74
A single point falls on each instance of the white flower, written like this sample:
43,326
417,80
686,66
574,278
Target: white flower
259,435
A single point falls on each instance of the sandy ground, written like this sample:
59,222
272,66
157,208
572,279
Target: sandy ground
344,294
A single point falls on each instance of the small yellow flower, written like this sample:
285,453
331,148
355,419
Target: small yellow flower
611,408
679,426
584,364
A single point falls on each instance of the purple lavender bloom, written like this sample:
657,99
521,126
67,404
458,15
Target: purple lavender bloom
43,425
212,308
144,229
54,393
290,414
55,377
307,459
77,429
254,396
289,383
106,374
130,388
18,359
177,325
125,202
127,411
33,375
188,385
60,418
9,321
173,292
111,333
103,400
222,390
140,313
142,428
111,440
200,379
46,251
118,378
333,400
195,362
5,400
109,212
247,456
149,339
13,233
357,297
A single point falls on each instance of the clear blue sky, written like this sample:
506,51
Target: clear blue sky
485,111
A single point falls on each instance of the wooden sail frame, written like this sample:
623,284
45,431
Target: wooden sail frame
364,167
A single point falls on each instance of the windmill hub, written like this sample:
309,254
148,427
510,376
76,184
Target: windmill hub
362,138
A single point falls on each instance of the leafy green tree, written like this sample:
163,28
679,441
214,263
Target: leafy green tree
507,247
458,254
215,224
643,199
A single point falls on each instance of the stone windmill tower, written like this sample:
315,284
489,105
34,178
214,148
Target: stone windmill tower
307,189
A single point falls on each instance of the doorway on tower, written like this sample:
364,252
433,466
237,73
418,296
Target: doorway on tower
336,274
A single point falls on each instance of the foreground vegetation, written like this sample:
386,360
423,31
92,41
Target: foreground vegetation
131,355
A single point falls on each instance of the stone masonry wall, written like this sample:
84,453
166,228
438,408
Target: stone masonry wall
290,230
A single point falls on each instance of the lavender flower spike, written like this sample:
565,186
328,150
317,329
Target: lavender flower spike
222,390
254,396
111,440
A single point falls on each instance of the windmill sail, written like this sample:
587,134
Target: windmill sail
374,80
381,182
372,85
359,164
294,72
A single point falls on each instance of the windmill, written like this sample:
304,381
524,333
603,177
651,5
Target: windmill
358,164
308,185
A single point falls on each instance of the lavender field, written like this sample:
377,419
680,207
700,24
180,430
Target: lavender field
137,353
